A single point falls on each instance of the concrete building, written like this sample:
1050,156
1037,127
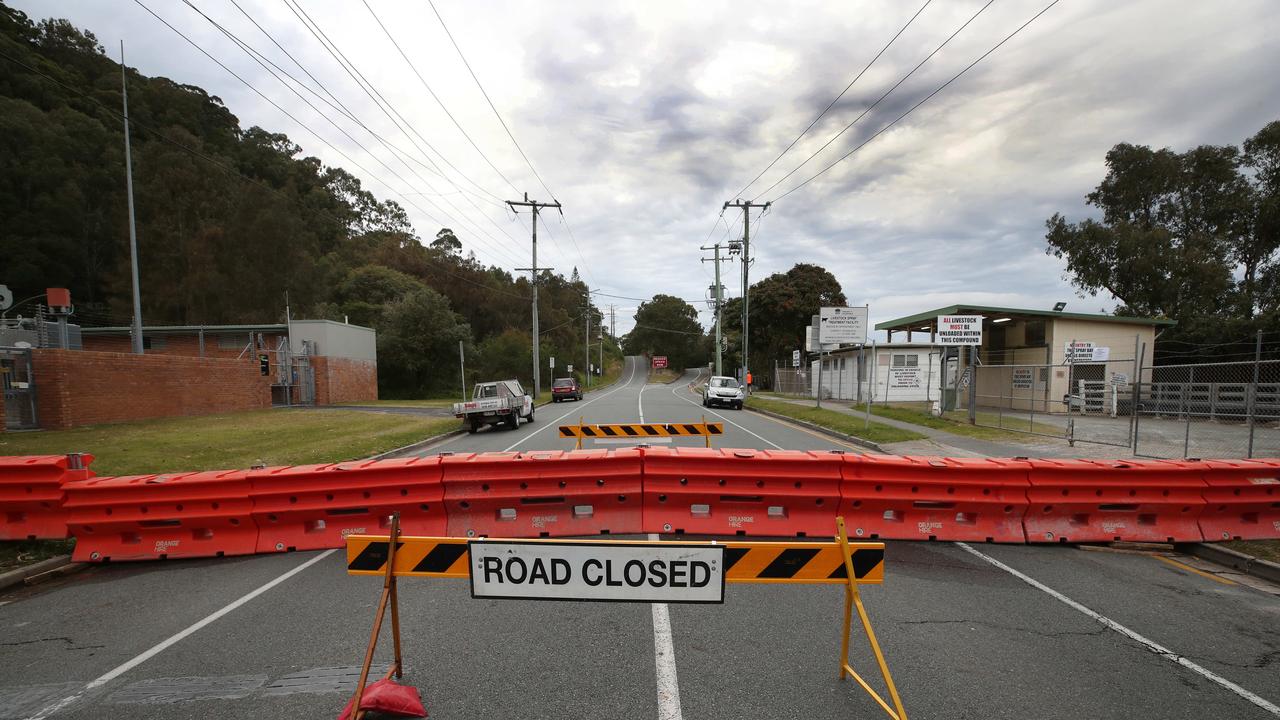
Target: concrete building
1036,359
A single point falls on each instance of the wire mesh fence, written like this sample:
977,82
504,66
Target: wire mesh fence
1225,409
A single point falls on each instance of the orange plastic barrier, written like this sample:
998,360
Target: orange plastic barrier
31,494
543,494
1243,499
1112,500
934,498
309,507
760,493
145,517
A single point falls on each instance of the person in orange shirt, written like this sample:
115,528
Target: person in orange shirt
748,383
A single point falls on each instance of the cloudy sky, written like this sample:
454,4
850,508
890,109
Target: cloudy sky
644,118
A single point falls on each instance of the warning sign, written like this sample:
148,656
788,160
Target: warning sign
659,362
959,329
906,377
622,572
1022,378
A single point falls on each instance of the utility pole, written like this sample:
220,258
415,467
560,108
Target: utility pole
133,230
719,299
586,338
746,206
535,206
613,323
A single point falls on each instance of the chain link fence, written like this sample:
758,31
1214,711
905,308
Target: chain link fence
1226,410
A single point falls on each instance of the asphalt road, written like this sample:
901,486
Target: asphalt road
979,631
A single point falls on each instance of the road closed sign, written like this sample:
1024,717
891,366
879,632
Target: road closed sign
959,329
614,571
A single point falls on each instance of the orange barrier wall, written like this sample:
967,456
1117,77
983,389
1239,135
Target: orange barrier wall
1242,500
31,494
709,491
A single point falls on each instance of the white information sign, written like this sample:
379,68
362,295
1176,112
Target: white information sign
906,377
1022,378
959,329
552,363
570,368
1119,378
842,325
612,571
1085,351
795,358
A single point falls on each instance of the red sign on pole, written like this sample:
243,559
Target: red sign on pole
659,361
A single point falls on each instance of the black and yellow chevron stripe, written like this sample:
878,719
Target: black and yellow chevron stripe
641,430
745,562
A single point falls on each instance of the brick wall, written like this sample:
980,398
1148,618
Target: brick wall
76,388
340,380
185,345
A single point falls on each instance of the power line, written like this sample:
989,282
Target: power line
912,109
258,57
880,99
572,238
435,97
832,104
229,169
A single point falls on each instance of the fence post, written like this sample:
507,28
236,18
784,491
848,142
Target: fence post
1186,408
1137,393
1253,389
973,385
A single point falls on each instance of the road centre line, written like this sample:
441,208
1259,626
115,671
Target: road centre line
1187,568
557,420
664,658
640,400
175,639
1150,645
674,391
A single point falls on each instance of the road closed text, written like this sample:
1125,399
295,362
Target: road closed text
584,571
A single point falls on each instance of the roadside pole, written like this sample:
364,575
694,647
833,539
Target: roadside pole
819,393
719,294
586,338
133,231
1253,390
746,282
462,365
535,206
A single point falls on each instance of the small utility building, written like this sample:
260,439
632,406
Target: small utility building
1033,359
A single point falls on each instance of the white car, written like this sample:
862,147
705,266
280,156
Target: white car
721,390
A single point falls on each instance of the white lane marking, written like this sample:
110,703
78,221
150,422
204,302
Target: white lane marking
640,401
664,658
1151,645
175,639
630,376
674,391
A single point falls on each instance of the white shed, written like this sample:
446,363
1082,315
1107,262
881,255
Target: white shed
892,372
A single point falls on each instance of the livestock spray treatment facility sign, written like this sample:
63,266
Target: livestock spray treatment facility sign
960,329
842,325
617,572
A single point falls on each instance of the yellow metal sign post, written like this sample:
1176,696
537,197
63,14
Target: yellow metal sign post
833,562
641,431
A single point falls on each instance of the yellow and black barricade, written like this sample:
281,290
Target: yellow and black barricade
837,561
641,431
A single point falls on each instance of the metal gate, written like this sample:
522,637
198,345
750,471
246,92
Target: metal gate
18,381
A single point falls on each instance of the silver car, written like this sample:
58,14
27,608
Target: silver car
721,390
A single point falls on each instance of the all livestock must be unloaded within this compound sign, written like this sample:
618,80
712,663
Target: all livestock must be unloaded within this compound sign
959,329
510,569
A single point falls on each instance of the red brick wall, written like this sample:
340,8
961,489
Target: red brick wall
76,388
185,345
340,380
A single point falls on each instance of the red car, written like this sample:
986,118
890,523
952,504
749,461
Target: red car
565,389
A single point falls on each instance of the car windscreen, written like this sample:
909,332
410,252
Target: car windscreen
563,383
724,383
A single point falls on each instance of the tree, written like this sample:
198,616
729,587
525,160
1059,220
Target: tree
419,337
1190,236
668,326
781,308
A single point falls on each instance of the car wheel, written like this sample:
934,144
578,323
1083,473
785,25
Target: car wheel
513,421
737,406
474,427
530,418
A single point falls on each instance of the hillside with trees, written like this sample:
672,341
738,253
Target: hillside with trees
231,219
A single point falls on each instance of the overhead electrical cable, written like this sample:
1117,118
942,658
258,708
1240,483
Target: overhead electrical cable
880,99
912,109
832,104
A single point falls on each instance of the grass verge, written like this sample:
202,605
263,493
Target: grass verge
838,421
663,375
236,440
445,403
957,422
1264,549
20,553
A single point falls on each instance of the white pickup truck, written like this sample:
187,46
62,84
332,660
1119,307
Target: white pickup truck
503,402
